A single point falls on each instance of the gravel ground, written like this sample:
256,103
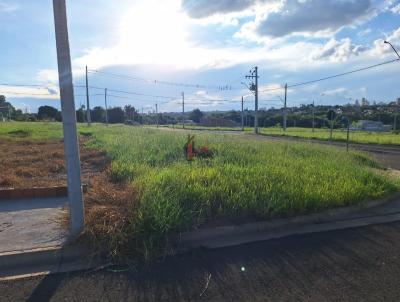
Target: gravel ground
360,264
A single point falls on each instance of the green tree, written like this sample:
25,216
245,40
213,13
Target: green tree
116,115
98,114
48,112
196,115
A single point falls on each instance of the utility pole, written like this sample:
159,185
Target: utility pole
157,114
183,110
254,87
242,116
71,144
105,103
89,120
285,109
313,116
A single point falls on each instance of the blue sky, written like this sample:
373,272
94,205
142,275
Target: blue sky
206,42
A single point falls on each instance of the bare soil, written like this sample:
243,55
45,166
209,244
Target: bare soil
26,164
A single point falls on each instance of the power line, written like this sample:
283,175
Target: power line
26,85
169,83
344,73
28,94
333,76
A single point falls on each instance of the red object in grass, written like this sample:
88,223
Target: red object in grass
190,151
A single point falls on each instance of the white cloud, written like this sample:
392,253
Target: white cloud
318,17
337,51
47,76
6,7
29,92
335,92
206,8
383,50
395,9
364,32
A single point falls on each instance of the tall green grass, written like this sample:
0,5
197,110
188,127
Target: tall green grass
383,138
246,177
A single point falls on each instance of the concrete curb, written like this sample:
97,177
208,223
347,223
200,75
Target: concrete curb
334,219
42,261
35,192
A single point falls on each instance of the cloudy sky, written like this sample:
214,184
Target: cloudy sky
207,44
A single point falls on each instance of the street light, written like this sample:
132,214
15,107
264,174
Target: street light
395,116
394,49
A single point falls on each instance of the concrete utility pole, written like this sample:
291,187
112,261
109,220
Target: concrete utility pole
254,87
88,117
71,145
105,104
183,110
242,116
285,109
157,114
313,116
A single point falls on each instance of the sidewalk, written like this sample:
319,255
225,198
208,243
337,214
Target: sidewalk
34,239
30,224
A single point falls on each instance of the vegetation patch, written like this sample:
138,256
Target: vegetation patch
150,190
19,133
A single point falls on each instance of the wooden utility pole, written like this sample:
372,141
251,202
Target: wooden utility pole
183,110
88,117
242,116
157,114
313,116
105,104
285,109
71,144
254,88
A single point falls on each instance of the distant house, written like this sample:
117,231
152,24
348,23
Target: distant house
372,126
216,122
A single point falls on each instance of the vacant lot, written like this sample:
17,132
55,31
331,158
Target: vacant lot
364,137
246,178
383,138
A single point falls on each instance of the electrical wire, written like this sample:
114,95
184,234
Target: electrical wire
169,83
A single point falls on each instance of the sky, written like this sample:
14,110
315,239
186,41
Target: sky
157,49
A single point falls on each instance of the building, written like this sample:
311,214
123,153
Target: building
216,122
372,126
364,102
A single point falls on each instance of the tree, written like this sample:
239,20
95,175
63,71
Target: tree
48,112
116,115
98,114
130,112
80,115
196,115
6,109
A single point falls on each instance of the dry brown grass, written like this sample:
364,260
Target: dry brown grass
27,164
108,205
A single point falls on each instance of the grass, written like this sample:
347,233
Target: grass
246,177
382,138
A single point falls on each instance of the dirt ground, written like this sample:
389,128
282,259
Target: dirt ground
27,164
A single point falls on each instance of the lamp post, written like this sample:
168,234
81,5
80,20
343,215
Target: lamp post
394,49
395,115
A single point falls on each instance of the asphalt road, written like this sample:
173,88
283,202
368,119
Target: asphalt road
360,264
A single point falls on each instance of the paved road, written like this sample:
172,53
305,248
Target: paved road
351,265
